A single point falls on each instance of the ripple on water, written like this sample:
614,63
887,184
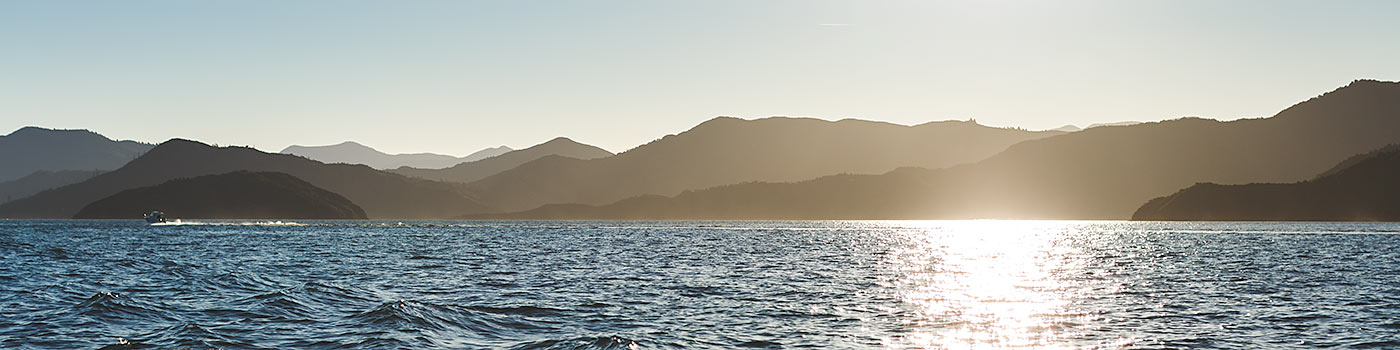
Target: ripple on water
115,308
718,285
580,343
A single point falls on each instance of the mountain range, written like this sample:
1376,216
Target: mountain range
380,194
1099,173
350,152
235,195
32,149
42,180
1363,188
726,150
803,168
472,171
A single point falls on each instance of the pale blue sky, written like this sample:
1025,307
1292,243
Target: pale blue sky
457,76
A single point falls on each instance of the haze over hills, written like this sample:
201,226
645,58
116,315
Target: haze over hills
380,194
797,168
472,171
728,150
32,149
1098,173
1361,189
350,152
1353,160
235,195
42,180
1125,123
1073,128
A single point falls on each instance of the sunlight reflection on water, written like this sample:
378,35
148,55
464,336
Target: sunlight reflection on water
75,284
987,284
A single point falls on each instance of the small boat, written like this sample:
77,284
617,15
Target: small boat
155,217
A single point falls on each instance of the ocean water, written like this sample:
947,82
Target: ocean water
697,285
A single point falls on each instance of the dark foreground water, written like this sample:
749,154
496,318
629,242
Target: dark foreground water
723,285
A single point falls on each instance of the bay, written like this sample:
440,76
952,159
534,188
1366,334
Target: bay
707,284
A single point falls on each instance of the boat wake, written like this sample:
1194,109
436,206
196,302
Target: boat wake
178,222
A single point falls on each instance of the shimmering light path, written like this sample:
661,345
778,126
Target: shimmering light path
986,284
721,285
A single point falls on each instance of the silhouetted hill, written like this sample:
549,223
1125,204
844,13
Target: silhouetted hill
31,149
381,194
350,152
468,172
42,180
235,195
475,156
1349,162
837,197
1127,123
727,150
1099,173
1365,190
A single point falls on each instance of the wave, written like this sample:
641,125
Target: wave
186,336
113,307
307,302
521,310
238,282
410,314
580,343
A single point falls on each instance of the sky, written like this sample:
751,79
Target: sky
454,77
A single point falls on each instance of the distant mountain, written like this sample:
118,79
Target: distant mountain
475,156
1349,162
1066,128
42,180
32,149
472,171
837,197
380,194
727,150
1366,189
1097,173
1127,123
235,195
350,152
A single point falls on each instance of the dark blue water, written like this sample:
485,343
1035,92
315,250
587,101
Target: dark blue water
722,285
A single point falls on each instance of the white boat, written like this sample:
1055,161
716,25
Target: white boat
155,217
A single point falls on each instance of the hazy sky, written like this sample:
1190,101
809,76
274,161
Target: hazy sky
457,76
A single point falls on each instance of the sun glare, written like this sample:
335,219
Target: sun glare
985,284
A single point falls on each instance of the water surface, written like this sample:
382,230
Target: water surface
721,285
